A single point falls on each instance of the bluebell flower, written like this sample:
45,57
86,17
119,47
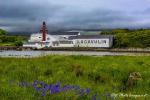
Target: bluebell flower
106,94
94,97
43,93
87,90
47,87
35,83
42,84
81,92
55,88
72,86
68,87
43,88
37,88
76,88
65,88
99,98
52,91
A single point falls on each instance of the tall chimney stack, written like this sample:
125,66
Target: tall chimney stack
44,31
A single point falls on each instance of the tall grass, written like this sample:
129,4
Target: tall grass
96,73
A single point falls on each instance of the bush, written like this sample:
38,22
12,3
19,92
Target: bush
2,32
18,43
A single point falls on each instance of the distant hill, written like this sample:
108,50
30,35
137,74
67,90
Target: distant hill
84,31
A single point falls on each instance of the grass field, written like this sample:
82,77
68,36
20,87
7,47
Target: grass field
102,75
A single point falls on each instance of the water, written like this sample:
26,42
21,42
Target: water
44,53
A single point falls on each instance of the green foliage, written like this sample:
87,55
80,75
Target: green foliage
12,40
130,38
6,40
96,73
2,32
18,43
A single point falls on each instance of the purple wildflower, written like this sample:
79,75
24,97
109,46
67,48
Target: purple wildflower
87,90
35,83
37,88
42,84
66,88
55,88
81,92
99,98
76,88
94,97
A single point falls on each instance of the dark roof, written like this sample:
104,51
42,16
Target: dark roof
65,33
90,36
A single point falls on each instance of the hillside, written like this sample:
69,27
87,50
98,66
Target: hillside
124,38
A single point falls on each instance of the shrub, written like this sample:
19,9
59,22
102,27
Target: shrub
18,43
2,32
77,69
48,72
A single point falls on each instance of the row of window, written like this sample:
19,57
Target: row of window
47,38
66,42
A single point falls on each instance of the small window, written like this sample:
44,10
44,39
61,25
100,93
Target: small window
48,38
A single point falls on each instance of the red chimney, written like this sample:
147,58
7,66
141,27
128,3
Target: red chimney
44,31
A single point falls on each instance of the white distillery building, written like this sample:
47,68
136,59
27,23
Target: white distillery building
67,39
101,41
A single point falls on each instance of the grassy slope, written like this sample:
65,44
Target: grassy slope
7,44
51,69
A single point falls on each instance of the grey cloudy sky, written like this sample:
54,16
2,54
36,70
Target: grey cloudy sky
27,15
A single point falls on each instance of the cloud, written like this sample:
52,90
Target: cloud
28,15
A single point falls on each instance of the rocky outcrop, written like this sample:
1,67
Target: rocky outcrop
133,78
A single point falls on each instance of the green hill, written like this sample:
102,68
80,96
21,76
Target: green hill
124,38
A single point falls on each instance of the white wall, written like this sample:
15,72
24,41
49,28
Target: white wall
92,42
35,38
36,45
65,45
38,38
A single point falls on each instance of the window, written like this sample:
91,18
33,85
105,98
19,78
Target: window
65,42
48,38
85,41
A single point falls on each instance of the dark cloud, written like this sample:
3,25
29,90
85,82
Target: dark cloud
27,16
96,18
28,11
